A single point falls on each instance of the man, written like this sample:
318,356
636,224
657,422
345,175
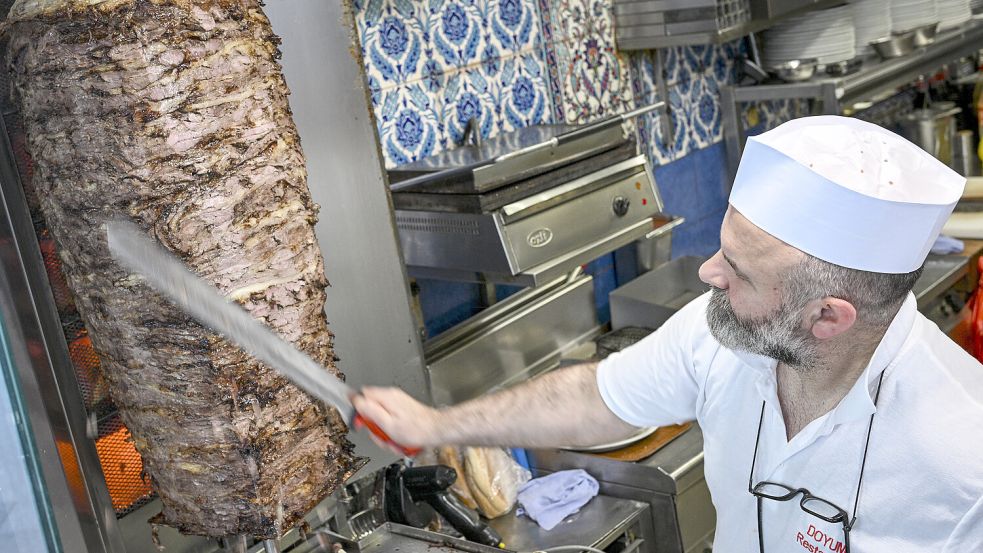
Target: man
835,416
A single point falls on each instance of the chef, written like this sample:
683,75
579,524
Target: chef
835,416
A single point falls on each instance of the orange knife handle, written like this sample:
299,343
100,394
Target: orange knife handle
379,433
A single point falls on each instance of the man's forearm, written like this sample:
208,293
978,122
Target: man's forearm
563,407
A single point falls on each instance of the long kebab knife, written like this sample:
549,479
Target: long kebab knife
133,249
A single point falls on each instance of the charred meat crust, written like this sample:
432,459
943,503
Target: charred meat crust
175,113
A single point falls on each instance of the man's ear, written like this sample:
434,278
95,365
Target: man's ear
829,317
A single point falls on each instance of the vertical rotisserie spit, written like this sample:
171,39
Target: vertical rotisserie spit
175,113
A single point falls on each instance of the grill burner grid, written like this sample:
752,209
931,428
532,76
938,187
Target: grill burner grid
121,465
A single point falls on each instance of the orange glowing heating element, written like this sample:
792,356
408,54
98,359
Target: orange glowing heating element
123,468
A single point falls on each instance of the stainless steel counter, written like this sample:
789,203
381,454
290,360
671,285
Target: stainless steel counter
670,481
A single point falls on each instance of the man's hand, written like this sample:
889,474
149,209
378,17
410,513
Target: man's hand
407,421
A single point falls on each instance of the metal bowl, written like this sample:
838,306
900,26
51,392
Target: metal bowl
895,46
793,71
925,35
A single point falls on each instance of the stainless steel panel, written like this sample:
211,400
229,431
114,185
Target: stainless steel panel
598,523
588,215
649,300
777,9
464,241
697,517
562,192
655,248
536,239
672,474
941,273
549,271
634,7
24,508
522,340
368,304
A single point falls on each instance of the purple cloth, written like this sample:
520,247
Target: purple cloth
947,244
550,499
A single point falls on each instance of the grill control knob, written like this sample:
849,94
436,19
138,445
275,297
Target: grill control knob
620,206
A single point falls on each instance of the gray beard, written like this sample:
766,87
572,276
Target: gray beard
777,335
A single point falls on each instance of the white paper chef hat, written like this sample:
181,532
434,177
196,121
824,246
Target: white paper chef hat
846,191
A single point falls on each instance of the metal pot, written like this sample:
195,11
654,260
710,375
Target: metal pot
934,129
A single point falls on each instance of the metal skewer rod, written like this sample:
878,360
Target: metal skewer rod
271,546
235,543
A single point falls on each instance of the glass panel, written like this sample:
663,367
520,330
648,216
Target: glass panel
823,509
21,528
774,491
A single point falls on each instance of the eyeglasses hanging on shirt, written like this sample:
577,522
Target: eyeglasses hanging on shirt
816,506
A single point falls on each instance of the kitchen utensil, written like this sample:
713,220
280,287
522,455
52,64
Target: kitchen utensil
953,13
365,522
872,20
907,15
165,273
825,35
616,444
964,158
647,446
841,68
925,34
895,46
431,485
933,129
794,71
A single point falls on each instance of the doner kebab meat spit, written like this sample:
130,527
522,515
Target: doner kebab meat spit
174,113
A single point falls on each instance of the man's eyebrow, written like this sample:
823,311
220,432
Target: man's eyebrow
737,271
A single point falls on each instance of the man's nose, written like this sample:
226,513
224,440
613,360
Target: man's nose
713,271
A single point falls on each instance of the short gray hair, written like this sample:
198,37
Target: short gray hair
876,296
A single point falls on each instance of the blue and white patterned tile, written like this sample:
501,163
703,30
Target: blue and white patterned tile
415,121
595,80
704,113
393,38
660,150
514,25
642,67
522,93
410,124
457,39
431,65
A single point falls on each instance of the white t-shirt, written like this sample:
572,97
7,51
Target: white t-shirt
923,483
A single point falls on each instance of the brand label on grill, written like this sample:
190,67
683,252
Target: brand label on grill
539,237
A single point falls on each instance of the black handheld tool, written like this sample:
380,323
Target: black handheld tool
431,485
413,494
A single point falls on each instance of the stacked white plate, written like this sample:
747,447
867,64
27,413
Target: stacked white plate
911,14
953,13
827,36
872,21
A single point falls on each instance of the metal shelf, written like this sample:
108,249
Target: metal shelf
652,24
875,81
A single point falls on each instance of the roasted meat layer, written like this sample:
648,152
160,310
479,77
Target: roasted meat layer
175,113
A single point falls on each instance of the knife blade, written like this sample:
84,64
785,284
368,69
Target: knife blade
136,251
